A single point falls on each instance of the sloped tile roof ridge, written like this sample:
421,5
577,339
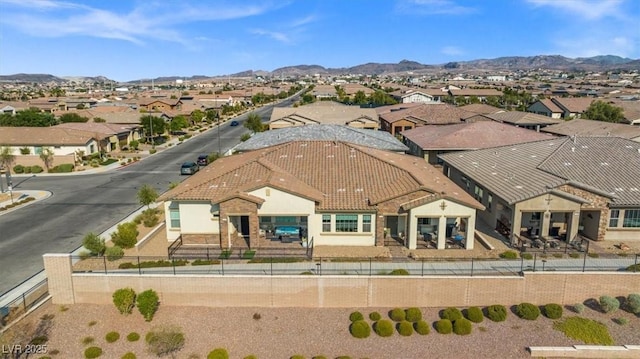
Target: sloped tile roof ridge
367,151
548,158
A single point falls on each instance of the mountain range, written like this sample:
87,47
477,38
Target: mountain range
508,64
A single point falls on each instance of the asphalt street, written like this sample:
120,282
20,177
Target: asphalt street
81,204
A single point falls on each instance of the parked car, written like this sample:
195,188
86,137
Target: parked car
234,123
203,160
189,168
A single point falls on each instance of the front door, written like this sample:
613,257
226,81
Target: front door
244,225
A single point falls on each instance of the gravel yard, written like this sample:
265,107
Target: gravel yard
283,332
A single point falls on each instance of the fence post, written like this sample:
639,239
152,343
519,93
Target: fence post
173,264
139,269
422,269
24,302
521,264
535,258
370,265
635,263
104,261
271,263
222,264
472,267
208,254
584,262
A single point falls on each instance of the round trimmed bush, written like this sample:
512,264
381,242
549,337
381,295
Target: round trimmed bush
451,313
356,316
133,337
319,357
218,353
421,327
375,316
528,311
92,352
633,303
497,313
383,328
360,329
553,311
251,357
18,169
405,328
129,355
112,337
462,326
609,304
413,314
397,314
475,315
36,169
509,255
444,326
297,356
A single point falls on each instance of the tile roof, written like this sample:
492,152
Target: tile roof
551,105
337,175
522,118
470,136
97,127
481,108
573,104
369,138
43,136
609,165
583,127
327,112
427,114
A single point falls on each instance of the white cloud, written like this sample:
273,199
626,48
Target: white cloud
452,50
433,7
596,44
589,9
279,36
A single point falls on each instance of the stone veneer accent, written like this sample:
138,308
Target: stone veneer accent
239,206
598,202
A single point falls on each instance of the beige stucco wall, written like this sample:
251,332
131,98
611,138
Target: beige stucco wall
623,234
337,291
196,217
281,203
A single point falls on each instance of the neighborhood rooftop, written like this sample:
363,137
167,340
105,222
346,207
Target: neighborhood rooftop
582,127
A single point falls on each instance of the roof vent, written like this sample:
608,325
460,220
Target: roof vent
573,149
342,189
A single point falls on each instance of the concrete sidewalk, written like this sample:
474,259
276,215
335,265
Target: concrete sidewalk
18,196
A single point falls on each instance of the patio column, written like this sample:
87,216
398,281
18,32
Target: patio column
470,234
442,232
546,221
574,223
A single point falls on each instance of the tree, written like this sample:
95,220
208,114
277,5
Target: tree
57,92
197,116
602,111
254,123
148,122
6,157
47,157
126,235
147,195
178,123
72,117
360,98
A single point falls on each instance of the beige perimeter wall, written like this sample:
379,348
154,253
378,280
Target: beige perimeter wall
338,291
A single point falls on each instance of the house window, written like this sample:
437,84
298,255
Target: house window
631,218
614,215
466,182
479,193
366,223
346,223
37,150
326,223
489,201
174,215
215,210
535,216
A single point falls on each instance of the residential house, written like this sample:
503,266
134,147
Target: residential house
432,140
418,96
561,107
397,118
320,132
110,136
526,120
49,104
329,192
481,108
480,94
630,110
324,112
565,187
324,92
546,107
159,105
583,127
8,109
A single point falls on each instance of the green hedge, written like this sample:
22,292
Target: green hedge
497,313
375,316
147,303
444,326
451,313
356,316
383,328
63,168
553,311
405,328
397,314
475,315
609,304
421,327
633,303
528,311
399,272
360,329
462,326
124,299
92,352
413,314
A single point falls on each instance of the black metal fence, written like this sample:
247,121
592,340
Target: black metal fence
21,303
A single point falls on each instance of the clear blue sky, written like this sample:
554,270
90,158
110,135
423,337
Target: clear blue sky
127,40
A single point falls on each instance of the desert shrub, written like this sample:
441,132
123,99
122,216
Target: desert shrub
39,340
413,314
633,268
574,255
94,244
633,303
405,328
18,169
375,316
553,311
355,316
112,337
124,299
250,357
444,326
88,340
36,169
578,308
164,340
360,329
129,355
114,253
126,235
27,169
527,256
528,311
451,313
319,357
152,151
399,272
92,352
497,313
149,217
586,330
475,315
63,168
219,353
383,328
621,321
509,255
462,326
609,304
147,303
421,327
133,337
297,356
397,314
